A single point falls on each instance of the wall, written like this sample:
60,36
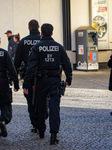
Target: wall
6,20
23,11
15,15
79,16
51,12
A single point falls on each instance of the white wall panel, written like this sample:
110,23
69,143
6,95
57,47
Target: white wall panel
24,11
51,12
79,16
6,20
15,15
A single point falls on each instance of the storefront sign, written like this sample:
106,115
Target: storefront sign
93,66
81,49
93,61
99,21
82,65
80,34
92,56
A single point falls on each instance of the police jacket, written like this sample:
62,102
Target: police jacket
24,47
7,65
10,45
110,66
14,50
45,56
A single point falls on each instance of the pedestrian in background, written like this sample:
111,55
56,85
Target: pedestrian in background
16,39
110,79
10,42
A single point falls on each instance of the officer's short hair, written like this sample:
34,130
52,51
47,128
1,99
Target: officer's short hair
33,24
47,29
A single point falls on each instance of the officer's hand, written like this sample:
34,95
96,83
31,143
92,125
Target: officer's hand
67,83
25,91
16,90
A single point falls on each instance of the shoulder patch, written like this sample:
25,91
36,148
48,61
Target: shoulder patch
1,53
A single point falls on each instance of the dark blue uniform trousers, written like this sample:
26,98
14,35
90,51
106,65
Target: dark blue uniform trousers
5,106
48,86
31,107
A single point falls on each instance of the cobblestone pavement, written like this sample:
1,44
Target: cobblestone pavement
85,120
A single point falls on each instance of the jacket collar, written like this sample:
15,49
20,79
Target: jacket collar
10,37
34,32
47,38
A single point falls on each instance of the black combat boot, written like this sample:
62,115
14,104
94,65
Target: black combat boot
3,129
111,113
53,139
41,135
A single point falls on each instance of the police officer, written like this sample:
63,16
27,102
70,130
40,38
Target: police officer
110,79
48,57
5,91
110,66
21,56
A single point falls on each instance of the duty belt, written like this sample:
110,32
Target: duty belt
47,73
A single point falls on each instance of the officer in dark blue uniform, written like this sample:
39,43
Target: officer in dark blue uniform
21,56
47,58
24,46
5,91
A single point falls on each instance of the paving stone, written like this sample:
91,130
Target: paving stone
85,120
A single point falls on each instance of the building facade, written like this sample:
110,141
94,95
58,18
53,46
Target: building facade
15,15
